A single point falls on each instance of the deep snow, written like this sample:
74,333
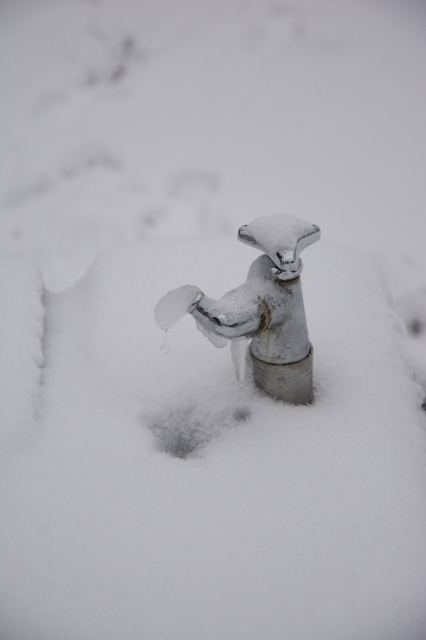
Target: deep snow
164,500
152,496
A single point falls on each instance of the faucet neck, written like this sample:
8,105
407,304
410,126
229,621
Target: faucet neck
287,275
285,338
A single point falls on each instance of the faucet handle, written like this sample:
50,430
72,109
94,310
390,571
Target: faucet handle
282,238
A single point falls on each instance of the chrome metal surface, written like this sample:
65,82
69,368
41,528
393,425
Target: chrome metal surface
286,339
264,308
268,308
291,383
284,248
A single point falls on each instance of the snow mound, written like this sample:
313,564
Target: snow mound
21,357
166,501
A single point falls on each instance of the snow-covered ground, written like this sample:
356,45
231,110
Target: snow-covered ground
155,497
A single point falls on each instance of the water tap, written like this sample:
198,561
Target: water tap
268,309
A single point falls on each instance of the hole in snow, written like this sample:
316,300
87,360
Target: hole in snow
184,430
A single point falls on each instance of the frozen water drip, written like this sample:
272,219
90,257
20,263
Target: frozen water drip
171,308
165,347
238,353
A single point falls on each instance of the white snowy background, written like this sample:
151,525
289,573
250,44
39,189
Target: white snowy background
154,497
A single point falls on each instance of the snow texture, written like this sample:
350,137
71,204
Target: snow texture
166,501
21,360
156,497
278,232
126,120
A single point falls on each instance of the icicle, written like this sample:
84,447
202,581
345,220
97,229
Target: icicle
238,353
165,347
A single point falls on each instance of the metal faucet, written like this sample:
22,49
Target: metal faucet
268,308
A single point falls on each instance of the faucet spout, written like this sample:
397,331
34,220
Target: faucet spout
264,308
245,311
216,317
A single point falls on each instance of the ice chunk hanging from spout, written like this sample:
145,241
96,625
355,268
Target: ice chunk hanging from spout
174,305
216,340
238,353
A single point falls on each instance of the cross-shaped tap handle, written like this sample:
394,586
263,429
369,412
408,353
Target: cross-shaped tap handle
282,238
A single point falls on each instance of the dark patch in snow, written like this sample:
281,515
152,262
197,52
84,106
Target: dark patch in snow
115,57
17,196
242,414
415,326
151,216
184,430
87,160
77,164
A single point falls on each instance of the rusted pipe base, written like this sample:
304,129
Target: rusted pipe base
288,382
